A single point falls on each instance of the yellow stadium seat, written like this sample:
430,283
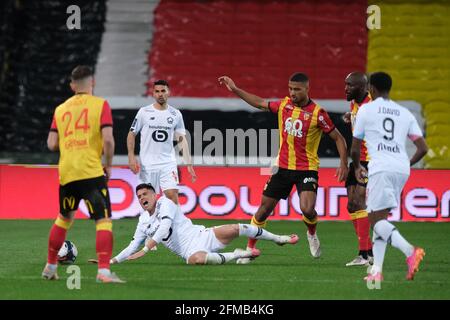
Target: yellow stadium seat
413,45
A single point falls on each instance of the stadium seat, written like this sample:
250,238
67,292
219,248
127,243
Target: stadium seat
413,45
250,39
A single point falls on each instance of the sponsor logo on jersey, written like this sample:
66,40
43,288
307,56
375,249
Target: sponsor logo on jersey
383,147
310,179
293,128
152,118
325,124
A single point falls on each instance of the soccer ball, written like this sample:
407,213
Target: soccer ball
68,253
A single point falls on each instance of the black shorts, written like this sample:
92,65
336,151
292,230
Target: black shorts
351,178
95,193
280,184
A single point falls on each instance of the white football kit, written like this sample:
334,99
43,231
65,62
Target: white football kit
157,154
385,125
169,226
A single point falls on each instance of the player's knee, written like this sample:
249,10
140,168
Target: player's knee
351,206
235,228
308,211
196,259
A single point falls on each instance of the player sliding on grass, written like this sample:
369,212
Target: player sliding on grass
301,122
385,125
194,243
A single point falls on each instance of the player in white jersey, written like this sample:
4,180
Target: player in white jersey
159,125
385,125
194,243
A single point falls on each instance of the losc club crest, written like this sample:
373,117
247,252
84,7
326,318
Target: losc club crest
169,120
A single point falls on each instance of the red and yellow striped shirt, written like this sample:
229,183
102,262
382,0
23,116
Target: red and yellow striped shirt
79,121
300,133
354,107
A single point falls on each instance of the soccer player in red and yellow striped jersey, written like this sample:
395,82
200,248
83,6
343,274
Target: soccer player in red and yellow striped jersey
356,92
301,122
82,130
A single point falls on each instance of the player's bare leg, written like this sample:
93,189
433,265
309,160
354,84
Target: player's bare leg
268,204
55,241
383,233
358,214
307,205
172,194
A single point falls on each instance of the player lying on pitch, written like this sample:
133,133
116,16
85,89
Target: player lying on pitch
194,243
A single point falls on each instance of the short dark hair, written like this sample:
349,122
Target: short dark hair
161,83
81,72
381,81
145,186
299,77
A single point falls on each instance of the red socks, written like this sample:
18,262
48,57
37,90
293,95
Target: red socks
104,244
311,224
56,238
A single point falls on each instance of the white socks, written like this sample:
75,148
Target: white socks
378,249
383,233
251,231
220,258
400,243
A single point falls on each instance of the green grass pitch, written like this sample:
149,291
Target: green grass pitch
280,273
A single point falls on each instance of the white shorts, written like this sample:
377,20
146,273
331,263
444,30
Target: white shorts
161,177
205,241
384,189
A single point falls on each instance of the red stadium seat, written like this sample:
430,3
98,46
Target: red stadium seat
254,41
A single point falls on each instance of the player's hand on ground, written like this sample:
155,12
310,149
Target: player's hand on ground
133,164
192,173
107,171
361,174
341,173
228,82
347,117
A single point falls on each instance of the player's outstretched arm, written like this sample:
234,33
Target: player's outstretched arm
148,246
421,151
342,171
251,99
